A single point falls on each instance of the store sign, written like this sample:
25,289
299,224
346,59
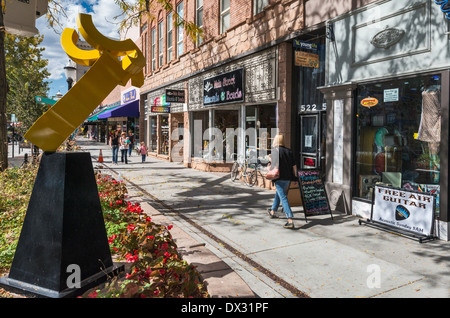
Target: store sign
224,88
129,96
160,109
445,7
306,59
369,102
412,211
305,45
161,101
175,96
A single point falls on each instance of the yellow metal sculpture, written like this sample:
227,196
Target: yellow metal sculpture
105,73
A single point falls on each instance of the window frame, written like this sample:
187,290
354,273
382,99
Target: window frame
198,13
169,37
259,4
153,48
224,13
179,29
160,43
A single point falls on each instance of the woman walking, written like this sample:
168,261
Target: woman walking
114,143
124,145
283,159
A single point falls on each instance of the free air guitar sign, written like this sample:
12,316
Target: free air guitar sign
408,210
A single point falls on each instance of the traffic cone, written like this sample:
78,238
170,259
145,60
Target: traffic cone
100,157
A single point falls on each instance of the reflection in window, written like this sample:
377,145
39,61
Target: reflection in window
398,127
199,17
258,6
201,142
160,43
169,37
179,30
153,49
224,15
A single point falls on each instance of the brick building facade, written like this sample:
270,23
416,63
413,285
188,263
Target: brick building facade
255,42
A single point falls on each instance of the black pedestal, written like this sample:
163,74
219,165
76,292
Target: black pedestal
63,233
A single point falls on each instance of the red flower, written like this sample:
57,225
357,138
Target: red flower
112,238
150,237
130,228
131,258
170,227
93,294
156,292
148,219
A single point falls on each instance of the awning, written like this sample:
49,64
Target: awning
125,110
95,116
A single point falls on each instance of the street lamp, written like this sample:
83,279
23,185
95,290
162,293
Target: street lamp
71,72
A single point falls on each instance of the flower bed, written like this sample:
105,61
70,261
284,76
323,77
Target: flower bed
156,268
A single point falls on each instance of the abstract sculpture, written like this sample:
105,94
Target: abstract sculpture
105,73
63,247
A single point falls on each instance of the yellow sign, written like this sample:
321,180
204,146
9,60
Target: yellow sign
369,102
107,71
306,59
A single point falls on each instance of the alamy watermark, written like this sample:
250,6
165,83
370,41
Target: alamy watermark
374,278
222,144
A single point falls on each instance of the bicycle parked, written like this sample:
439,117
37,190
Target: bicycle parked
248,168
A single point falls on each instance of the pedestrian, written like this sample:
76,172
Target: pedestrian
131,136
124,143
114,143
283,159
143,151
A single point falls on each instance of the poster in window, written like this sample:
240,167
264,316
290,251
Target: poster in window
306,59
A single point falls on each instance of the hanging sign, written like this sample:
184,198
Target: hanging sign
314,196
306,59
305,45
369,102
224,88
408,210
175,96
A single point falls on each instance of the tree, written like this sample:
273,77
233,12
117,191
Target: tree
26,73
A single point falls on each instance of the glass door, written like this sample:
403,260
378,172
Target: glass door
309,141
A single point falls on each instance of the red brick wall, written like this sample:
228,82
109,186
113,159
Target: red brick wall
280,18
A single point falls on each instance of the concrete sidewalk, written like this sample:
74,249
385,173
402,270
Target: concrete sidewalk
246,253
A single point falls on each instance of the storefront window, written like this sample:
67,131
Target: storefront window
153,144
201,122
224,119
263,119
164,140
398,131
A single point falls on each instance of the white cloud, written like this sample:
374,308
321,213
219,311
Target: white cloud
102,11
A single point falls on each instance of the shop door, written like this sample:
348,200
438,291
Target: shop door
312,141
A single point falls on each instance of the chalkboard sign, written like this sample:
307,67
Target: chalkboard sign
314,196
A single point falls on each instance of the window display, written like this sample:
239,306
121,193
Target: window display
200,118
263,119
164,140
398,127
153,144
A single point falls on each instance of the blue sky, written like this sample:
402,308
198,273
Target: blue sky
102,11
